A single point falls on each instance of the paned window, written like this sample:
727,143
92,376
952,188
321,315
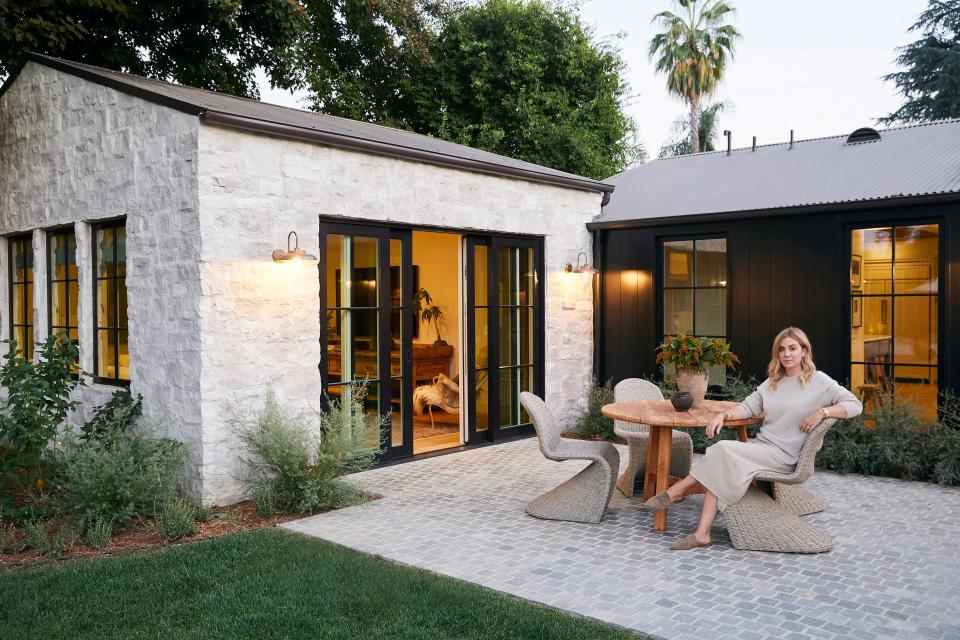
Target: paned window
695,291
111,354
63,283
21,293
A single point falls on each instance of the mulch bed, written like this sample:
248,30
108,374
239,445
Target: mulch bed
142,534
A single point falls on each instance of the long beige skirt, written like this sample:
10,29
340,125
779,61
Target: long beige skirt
729,466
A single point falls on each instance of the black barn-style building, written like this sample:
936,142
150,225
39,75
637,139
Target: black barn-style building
854,238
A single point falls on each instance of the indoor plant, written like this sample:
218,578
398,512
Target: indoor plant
428,312
692,356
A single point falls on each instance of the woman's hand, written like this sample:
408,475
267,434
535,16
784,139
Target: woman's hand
812,420
715,424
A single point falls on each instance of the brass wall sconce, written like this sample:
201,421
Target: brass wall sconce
295,253
581,267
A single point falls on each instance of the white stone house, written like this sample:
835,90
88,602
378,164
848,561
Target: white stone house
149,213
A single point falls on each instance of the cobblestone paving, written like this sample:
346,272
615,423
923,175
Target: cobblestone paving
894,573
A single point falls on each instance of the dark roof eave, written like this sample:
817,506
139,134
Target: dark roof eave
396,151
693,218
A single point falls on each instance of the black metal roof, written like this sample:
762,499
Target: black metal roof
893,166
226,110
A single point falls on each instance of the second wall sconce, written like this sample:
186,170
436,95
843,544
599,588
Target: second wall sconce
583,267
294,253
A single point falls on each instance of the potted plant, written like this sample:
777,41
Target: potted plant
428,312
692,356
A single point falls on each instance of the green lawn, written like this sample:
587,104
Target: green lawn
265,584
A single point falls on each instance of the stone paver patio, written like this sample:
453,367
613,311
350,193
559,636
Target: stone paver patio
893,573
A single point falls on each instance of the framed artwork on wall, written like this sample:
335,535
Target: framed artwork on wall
856,271
856,310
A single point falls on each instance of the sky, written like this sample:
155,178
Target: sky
814,66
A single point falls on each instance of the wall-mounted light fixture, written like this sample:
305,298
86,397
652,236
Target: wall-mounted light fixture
295,253
583,267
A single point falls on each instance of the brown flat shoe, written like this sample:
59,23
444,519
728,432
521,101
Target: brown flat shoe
659,501
690,542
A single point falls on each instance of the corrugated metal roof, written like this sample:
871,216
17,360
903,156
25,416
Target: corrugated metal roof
222,109
916,160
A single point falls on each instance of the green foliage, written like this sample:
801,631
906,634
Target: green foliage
894,442
930,81
202,512
63,538
8,536
692,51
176,520
37,404
690,353
134,476
211,44
113,418
301,459
265,500
709,132
99,530
427,311
589,421
35,537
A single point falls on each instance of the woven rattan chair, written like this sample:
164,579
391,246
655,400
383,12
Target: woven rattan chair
638,436
584,497
767,518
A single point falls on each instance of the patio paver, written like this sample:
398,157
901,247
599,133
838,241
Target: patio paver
892,573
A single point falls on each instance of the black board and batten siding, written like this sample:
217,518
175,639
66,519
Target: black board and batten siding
787,269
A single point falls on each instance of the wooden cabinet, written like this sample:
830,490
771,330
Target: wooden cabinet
428,362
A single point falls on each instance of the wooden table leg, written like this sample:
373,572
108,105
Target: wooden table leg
650,472
665,451
742,432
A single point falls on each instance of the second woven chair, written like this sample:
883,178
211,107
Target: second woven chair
584,497
638,435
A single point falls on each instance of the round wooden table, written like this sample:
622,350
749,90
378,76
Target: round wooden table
662,418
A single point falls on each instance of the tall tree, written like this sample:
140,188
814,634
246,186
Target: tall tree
692,51
529,81
931,79
212,44
708,137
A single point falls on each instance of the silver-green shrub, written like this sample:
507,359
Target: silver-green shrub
265,500
176,520
588,420
99,530
301,456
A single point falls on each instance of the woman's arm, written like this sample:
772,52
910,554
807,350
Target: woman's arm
751,406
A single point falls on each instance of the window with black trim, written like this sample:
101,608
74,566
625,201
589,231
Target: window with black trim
63,286
111,353
695,291
21,293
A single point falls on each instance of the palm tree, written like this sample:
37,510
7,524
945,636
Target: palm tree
693,52
709,132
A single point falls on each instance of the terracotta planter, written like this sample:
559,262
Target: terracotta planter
694,383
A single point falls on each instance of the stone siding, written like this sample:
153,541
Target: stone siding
73,152
260,320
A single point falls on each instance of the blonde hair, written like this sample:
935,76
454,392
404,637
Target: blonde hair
775,370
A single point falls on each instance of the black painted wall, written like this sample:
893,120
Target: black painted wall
782,270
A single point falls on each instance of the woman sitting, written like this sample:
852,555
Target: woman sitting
793,400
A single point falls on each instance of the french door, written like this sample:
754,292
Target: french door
504,333
367,334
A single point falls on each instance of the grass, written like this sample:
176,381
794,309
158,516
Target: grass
267,583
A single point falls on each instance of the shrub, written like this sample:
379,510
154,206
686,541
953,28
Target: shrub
301,459
265,500
8,536
588,420
176,519
134,476
38,399
113,418
99,530
64,538
202,513
35,537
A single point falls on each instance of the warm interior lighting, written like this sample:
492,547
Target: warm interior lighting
583,267
294,253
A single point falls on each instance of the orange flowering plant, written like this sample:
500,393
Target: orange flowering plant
690,353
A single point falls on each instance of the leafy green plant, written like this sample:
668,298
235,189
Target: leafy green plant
8,536
38,400
588,420
63,538
99,530
265,501
35,537
134,476
428,312
202,512
113,418
690,353
302,459
177,519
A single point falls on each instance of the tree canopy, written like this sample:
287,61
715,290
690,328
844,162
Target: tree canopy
708,135
930,81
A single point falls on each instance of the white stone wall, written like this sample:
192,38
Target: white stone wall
73,152
260,320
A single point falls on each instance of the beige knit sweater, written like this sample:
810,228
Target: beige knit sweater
784,408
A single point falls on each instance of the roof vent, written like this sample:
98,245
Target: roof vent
863,134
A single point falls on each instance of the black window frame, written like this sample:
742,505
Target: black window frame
26,286
97,377
52,235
